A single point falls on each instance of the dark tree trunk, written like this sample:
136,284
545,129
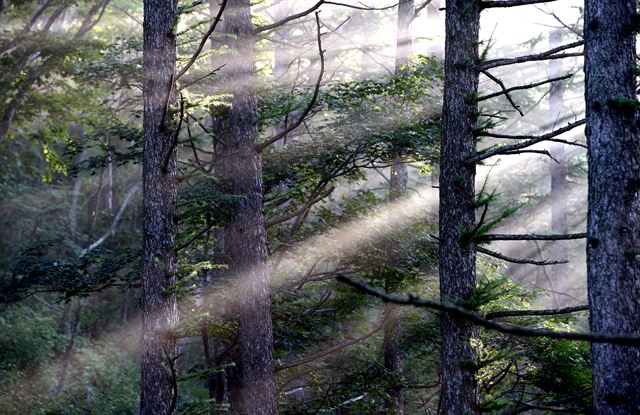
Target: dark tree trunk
558,172
398,178
245,239
216,380
457,213
613,245
159,310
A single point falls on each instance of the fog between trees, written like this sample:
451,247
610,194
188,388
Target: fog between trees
305,207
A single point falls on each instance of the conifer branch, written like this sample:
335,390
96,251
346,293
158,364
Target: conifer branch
481,321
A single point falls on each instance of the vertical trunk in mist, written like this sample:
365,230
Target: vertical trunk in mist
457,214
159,310
245,239
558,171
398,178
613,245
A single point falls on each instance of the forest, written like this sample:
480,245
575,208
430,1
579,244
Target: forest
265,207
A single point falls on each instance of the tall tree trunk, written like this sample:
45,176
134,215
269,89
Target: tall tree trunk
66,358
613,245
558,171
398,178
458,393
245,239
158,360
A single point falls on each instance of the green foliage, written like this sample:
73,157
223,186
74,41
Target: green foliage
626,106
27,338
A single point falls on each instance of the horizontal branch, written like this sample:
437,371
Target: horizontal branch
532,313
203,42
550,54
529,141
530,237
288,18
313,8
479,320
503,257
510,3
521,87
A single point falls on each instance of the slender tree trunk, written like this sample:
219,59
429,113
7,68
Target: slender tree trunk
458,393
613,246
158,362
398,178
66,359
558,172
245,239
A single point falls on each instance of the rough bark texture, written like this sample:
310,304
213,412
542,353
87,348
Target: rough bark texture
558,172
398,178
159,223
245,239
458,393
613,246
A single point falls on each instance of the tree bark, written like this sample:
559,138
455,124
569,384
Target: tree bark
159,310
458,394
613,245
245,239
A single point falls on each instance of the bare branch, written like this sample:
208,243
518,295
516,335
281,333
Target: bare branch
550,54
475,318
529,141
510,3
112,229
530,237
517,260
505,92
418,9
313,8
203,42
316,91
521,87
288,18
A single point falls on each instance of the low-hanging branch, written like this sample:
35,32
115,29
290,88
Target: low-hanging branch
513,260
481,321
316,92
548,55
533,313
528,141
529,237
